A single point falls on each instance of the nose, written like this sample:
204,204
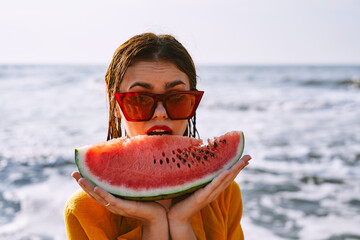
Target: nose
160,111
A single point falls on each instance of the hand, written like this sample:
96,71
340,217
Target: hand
180,213
151,214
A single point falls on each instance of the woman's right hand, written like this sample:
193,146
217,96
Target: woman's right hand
151,214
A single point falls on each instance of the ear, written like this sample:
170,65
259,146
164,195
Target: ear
117,111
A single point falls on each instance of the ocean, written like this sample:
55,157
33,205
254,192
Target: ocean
301,125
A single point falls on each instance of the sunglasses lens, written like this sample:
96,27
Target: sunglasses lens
141,106
138,107
181,105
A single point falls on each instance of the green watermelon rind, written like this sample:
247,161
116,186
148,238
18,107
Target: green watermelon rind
155,196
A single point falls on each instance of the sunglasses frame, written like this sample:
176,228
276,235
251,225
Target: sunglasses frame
158,97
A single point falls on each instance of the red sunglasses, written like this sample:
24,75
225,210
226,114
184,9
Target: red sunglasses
140,106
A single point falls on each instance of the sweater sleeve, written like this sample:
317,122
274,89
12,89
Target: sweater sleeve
220,220
235,208
87,219
74,229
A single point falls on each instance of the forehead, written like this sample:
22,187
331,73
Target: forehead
156,73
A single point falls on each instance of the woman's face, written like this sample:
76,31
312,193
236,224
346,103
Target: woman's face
154,77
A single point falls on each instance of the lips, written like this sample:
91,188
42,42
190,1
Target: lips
159,130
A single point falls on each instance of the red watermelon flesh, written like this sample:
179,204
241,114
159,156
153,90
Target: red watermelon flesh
157,167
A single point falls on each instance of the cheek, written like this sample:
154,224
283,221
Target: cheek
180,127
134,128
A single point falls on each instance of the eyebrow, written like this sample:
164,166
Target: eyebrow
173,84
141,84
149,86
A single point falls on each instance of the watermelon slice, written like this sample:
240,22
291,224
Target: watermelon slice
157,167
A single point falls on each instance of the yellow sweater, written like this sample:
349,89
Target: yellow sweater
87,219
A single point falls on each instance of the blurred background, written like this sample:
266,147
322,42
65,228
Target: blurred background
286,72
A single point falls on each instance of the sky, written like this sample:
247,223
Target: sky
225,32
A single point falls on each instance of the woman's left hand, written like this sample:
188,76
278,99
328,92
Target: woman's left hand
181,212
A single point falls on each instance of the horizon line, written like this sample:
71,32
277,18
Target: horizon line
196,65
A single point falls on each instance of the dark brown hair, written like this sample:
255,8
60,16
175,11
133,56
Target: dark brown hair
146,47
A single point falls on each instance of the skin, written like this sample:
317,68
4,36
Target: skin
166,218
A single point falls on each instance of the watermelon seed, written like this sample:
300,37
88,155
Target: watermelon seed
154,161
178,165
189,166
179,150
173,159
186,155
179,157
207,152
193,154
173,152
205,157
161,161
163,154
202,162
211,154
215,144
207,147
224,141
198,158
184,161
201,151
167,160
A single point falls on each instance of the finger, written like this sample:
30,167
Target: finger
246,158
230,175
90,190
106,197
226,177
110,201
84,182
76,175
134,209
87,187
244,161
241,164
223,184
214,184
213,187
210,192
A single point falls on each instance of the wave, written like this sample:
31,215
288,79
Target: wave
10,206
347,82
25,170
318,180
300,105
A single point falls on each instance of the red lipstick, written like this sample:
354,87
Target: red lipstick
160,128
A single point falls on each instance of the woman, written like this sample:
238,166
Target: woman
159,65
